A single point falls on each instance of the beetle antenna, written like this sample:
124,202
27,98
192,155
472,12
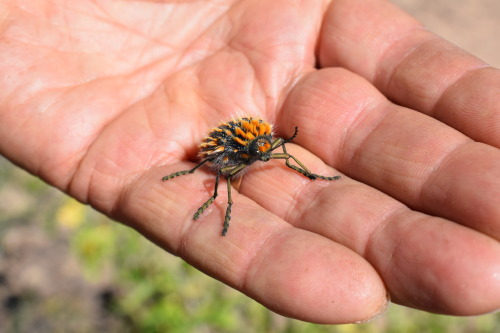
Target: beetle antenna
293,136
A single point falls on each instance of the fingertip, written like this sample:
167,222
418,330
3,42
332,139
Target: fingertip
307,277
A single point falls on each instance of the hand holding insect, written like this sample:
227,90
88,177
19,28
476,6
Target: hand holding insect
409,119
235,145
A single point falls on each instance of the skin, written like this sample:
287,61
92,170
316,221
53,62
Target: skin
102,99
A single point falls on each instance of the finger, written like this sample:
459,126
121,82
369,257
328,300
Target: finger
412,66
291,271
410,156
426,262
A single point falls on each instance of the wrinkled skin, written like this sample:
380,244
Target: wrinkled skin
103,98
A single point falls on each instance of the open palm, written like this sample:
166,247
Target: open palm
104,98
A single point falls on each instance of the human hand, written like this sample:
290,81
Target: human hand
103,99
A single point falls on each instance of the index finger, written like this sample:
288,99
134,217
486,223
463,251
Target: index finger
412,66
291,271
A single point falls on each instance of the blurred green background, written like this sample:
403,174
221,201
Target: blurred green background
66,268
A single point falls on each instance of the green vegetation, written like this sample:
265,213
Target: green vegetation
109,278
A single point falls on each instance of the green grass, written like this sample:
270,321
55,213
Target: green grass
148,290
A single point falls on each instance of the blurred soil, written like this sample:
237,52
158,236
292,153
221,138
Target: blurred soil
43,289
42,285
